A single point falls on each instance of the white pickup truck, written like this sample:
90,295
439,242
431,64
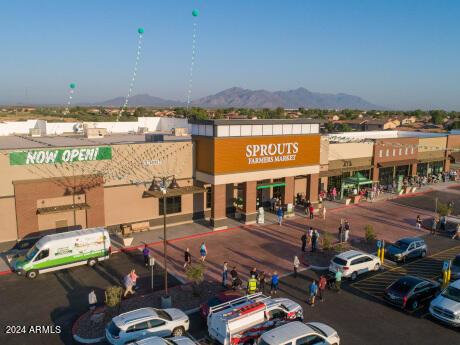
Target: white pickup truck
244,319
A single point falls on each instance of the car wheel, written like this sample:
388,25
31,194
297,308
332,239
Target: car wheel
376,267
354,275
423,254
414,305
178,331
92,262
32,274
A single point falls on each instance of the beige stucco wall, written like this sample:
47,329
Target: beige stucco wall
7,220
432,144
350,150
324,151
128,165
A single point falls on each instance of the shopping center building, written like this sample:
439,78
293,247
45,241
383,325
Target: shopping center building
57,177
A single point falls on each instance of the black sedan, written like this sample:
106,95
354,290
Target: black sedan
410,292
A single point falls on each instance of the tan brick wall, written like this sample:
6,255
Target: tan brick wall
8,230
250,196
218,201
289,190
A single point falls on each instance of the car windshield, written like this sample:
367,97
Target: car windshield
401,245
456,261
452,293
402,286
113,329
31,253
317,329
339,261
164,315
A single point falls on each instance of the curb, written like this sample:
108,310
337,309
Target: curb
84,340
5,273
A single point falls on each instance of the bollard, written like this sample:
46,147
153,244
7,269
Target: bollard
382,252
445,273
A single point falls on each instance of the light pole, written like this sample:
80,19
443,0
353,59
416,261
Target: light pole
163,187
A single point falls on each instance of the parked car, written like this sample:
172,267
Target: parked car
220,298
353,263
406,248
455,268
411,292
311,333
162,341
145,322
446,307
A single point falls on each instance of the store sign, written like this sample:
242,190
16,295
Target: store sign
269,153
58,156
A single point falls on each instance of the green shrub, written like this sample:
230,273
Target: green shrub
195,274
113,296
327,241
443,209
369,234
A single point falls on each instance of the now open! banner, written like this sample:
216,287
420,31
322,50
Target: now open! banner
57,156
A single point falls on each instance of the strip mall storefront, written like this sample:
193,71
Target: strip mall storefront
245,163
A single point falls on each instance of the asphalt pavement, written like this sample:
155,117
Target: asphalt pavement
58,298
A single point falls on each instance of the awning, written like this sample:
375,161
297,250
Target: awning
174,192
357,180
455,156
338,172
432,160
269,185
62,208
397,163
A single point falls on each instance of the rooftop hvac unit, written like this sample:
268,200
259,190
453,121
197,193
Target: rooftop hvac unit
180,131
93,133
35,132
142,130
154,137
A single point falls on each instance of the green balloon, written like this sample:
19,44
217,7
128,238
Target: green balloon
72,85
195,12
140,30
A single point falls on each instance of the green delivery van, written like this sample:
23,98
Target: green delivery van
64,250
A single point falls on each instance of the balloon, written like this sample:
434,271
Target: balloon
72,85
140,31
195,12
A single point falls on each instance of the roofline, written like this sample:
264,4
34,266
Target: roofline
255,122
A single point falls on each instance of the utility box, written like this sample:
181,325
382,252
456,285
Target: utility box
93,133
180,132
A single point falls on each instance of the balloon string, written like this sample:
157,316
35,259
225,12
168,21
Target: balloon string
69,100
133,78
192,63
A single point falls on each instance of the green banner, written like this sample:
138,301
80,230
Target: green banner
58,156
265,186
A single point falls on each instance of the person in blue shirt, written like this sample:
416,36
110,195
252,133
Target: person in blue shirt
313,291
275,282
279,213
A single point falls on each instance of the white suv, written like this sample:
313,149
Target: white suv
163,341
352,263
298,333
146,322
446,306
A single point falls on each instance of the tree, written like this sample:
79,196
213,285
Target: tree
140,112
344,127
437,116
195,274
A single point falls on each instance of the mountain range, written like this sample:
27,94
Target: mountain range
244,98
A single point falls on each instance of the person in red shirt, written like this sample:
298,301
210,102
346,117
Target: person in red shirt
311,209
322,287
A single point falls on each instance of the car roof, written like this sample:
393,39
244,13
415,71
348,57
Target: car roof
134,316
456,284
409,239
412,280
350,254
151,341
284,333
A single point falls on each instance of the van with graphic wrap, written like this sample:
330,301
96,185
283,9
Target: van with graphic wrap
65,250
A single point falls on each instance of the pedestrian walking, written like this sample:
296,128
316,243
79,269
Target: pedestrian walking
203,251
309,235
434,226
443,224
340,234
296,265
304,241
312,210
314,240
224,274
146,254
324,211
313,289
457,233
347,231
253,272
128,284
418,222
262,281
322,283
274,283
134,277
338,279
235,278
92,300
187,258
307,208
279,213
334,193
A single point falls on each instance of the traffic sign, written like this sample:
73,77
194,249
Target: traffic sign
445,265
152,261
379,244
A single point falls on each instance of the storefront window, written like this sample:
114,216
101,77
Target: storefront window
436,167
402,170
386,176
422,169
173,205
208,197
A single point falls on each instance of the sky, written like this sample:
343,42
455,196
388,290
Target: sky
401,54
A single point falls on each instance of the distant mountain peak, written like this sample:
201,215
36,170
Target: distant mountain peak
239,97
